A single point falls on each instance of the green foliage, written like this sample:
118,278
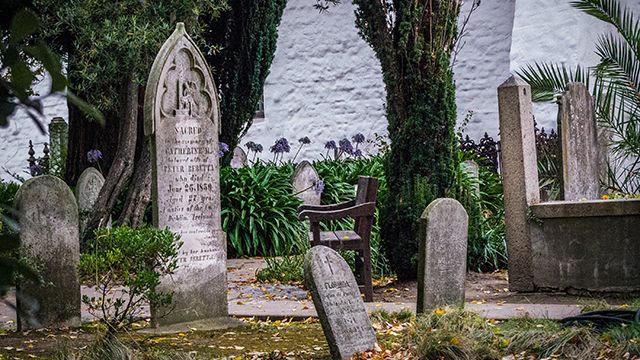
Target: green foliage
283,269
8,192
259,210
134,259
614,83
248,33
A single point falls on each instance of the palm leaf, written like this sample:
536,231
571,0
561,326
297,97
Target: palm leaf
548,80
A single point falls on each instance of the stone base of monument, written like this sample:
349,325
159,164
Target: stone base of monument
199,325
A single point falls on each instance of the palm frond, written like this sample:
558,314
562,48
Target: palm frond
611,12
618,64
548,80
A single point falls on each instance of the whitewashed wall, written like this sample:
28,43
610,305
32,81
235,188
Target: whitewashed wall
326,83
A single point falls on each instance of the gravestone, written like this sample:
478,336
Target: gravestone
304,179
87,190
239,158
520,177
581,152
472,168
337,300
58,139
182,119
442,255
49,238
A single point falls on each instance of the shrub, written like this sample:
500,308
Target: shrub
128,263
259,210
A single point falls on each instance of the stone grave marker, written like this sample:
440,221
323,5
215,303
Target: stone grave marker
472,168
442,255
581,152
304,179
337,300
58,140
518,164
87,190
239,158
49,237
182,118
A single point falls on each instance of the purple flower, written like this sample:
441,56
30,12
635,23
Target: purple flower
358,138
318,186
281,145
222,149
250,145
357,153
258,148
93,156
345,146
36,169
331,145
305,140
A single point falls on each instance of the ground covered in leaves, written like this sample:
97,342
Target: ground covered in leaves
446,333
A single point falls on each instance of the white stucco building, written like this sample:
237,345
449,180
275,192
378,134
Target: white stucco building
325,82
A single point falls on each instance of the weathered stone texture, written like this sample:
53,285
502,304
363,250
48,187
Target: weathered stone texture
581,151
87,190
239,158
182,117
520,177
49,237
304,178
443,254
337,300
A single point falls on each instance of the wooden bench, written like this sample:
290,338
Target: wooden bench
362,210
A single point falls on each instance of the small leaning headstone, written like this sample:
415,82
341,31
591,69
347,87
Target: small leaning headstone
337,300
88,188
49,238
443,254
305,178
239,158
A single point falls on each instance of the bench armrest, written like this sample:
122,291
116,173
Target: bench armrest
331,207
362,210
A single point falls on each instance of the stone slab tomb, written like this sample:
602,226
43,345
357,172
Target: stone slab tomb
304,179
88,188
49,237
337,300
443,254
182,120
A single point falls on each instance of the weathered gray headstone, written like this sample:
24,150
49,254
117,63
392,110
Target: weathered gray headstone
304,179
443,254
520,177
182,118
337,300
49,237
239,158
87,190
58,139
472,168
580,149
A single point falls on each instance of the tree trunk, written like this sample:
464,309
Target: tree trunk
122,165
139,194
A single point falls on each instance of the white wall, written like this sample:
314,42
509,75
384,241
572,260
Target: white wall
325,81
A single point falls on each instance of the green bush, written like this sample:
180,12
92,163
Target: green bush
133,259
259,210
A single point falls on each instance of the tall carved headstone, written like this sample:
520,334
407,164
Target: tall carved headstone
239,158
520,177
336,297
49,237
182,119
304,179
581,151
58,139
87,190
443,254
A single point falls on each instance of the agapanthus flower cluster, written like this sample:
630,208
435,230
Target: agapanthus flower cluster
305,140
222,149
330,145
318,186
358,138
93,156
281,146
254,147
36,169
345,146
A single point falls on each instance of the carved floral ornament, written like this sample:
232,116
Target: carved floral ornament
180,84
